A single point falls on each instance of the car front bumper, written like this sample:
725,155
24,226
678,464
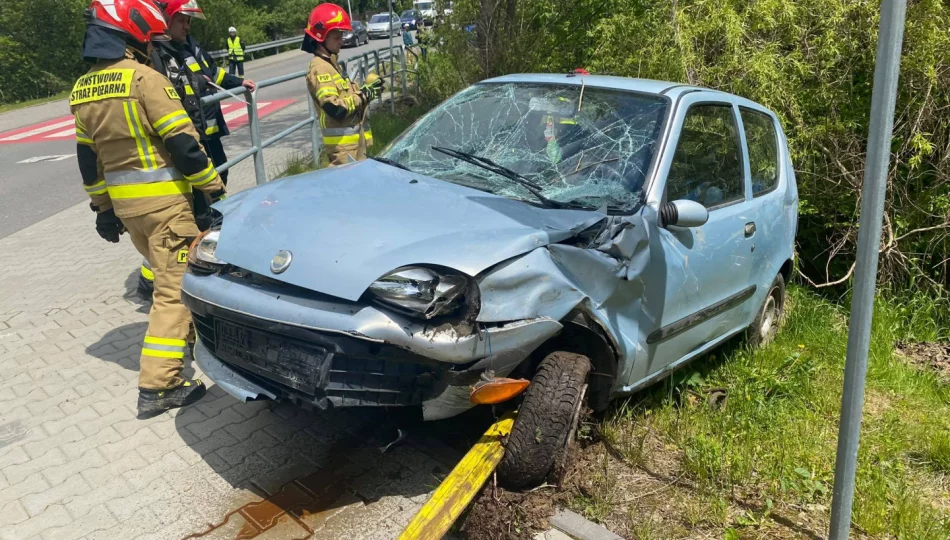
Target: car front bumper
278,341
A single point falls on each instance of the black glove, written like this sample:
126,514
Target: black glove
109,226
372,90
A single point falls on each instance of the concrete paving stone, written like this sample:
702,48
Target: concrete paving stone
182,419
80,505
236,453
552,534
130,461
131,425
253,424
141,477
58,474
128,444
124,507
213,407
56,426
354,522
209,426
210,444
97,519
108,404
285,473
54,516
38,406
12,457
93,426
38,502
253,408
388,529
249,470
12,513
210,505
17,473
579,527
78,448
142,522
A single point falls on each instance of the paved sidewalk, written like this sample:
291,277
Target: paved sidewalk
75,463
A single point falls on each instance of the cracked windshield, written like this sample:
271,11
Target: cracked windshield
573,145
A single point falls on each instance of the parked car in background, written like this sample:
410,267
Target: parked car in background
588,234
357,37
411,17
383,25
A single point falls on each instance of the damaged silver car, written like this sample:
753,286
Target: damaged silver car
588,234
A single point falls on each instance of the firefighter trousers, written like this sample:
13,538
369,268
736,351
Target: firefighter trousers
163,238
340,154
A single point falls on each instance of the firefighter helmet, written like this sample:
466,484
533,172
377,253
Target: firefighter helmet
139,19
327,17
185,7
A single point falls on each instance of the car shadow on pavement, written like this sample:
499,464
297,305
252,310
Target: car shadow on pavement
324,473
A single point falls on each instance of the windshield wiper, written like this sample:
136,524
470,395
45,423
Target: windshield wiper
500,170
392,162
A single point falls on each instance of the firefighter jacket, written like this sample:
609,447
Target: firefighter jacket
235,49
138,151
342,106
189,55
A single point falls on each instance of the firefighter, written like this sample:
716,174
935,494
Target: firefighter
343,105
139,159
235,53
191,69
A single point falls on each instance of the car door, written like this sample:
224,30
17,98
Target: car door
698,281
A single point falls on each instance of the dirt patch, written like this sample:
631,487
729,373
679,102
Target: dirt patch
928,356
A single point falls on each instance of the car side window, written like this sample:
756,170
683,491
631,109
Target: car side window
763,150
707,165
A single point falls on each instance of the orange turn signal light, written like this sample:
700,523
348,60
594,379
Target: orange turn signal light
498,391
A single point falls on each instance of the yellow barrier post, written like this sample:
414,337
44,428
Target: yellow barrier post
450,499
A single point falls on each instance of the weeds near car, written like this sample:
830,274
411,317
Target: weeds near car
768,451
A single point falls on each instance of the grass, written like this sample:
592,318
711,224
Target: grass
6,107
386,127
770,449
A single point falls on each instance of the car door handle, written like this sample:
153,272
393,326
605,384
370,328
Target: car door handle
749,229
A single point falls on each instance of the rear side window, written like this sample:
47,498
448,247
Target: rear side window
763,150
707,167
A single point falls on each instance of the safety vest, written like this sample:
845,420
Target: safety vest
235,50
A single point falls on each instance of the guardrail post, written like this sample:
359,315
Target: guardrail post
392,79
255,127
402,63
315,134
376,63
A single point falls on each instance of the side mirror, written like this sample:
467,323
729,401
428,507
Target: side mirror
684,213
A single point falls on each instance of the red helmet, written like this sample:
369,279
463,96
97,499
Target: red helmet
140,19
327,17
185,7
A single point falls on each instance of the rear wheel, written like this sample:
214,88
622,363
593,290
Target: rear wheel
546,420
766,324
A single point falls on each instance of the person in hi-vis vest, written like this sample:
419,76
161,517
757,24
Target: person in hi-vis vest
235,52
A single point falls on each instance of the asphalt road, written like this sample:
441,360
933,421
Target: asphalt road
31,192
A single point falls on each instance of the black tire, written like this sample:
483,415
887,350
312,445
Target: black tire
769,319
546,420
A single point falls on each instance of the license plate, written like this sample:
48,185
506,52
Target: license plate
275,357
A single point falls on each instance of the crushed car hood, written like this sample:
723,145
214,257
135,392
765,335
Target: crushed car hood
348,226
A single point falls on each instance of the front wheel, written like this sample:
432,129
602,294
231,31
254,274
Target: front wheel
767,322
546,420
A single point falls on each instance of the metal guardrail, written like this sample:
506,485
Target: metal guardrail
249,51
364,64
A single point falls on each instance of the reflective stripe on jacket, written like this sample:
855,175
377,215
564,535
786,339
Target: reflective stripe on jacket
235,50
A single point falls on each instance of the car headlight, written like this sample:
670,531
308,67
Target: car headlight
348,35
201,253
421,291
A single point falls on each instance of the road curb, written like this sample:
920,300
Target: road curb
576,526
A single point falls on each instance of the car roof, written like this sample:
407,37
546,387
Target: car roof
647,86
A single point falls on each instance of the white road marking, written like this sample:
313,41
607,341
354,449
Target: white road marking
38,131
39,159
62,134
234,115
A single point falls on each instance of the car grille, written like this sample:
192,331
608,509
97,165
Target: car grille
341,370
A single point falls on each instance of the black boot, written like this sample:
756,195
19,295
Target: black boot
155,402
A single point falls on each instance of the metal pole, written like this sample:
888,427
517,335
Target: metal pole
255,126
883,98
349,9
392,74
402,71
315,135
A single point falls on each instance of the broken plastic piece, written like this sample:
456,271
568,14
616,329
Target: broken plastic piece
498,390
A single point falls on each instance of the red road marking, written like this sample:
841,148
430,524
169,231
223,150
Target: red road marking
63,128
